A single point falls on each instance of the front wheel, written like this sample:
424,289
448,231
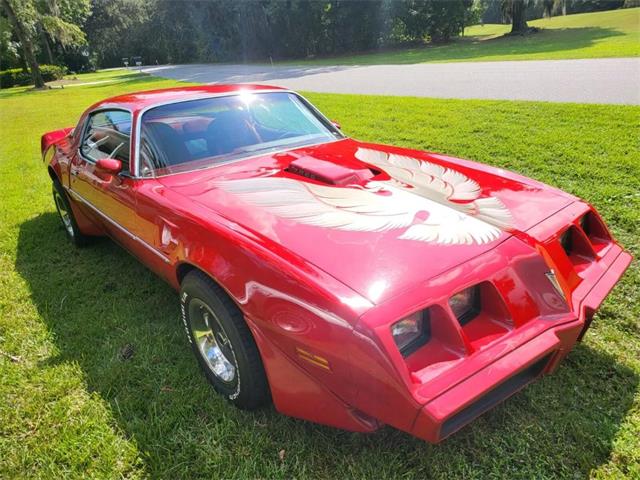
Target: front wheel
222,342
66,216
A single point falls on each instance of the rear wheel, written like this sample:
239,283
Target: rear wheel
66,216
222,342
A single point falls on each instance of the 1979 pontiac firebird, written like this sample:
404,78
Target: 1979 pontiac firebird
354,284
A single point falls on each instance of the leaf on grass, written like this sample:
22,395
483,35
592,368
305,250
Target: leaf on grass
13,358
127,351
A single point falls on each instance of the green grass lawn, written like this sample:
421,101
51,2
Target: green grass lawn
71,406
613,33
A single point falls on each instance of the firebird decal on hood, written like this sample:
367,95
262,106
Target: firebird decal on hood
455,212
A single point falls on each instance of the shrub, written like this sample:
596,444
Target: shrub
52,72
13,77
16,77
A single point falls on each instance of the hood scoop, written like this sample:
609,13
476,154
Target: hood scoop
329,172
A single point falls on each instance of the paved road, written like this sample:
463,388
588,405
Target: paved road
614,80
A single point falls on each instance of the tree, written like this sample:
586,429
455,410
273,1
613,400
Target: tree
438,19
117,27
61,22
225,30
553,7
9,55
516,10
21,16
45,20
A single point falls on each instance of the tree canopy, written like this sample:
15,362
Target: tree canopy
196,31
89,33
86,34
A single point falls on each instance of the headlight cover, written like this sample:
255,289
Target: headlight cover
466,304
411,332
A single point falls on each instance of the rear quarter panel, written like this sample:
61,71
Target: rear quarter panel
57,149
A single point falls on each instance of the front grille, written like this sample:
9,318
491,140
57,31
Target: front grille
493,397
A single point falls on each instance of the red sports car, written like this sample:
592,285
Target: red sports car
353,284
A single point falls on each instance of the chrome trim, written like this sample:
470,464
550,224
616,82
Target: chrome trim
133,237
211,340
64,213
551,276
138,126
328,121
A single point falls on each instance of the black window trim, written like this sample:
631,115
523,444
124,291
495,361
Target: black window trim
85,127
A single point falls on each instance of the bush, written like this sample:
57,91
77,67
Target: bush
12,77
52,72
16,77
437,20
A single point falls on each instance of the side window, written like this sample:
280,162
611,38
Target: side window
108,135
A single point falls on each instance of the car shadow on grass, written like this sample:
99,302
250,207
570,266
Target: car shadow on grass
120,324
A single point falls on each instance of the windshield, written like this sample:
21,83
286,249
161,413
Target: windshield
202,133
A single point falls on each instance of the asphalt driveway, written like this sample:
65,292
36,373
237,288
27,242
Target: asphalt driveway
612,80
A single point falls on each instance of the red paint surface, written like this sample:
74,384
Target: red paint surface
336,293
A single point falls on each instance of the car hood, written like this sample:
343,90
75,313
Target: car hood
380,219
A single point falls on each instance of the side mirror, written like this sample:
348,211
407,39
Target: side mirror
336,124
109,165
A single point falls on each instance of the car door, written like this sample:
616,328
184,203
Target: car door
108,198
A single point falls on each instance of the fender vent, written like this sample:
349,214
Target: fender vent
329,172
595,231
578,248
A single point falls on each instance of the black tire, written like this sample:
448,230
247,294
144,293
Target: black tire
67,218
204,305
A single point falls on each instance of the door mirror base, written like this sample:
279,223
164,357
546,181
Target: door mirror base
109,165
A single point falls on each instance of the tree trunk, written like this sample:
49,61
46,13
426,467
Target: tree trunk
23,63
47,46
518,22
25,42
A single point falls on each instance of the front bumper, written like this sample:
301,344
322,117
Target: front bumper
492,375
